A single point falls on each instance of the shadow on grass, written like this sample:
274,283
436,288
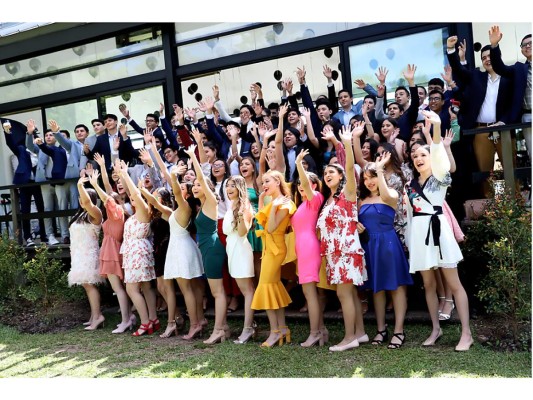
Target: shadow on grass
78,353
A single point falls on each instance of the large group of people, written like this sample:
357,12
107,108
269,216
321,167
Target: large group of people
361,187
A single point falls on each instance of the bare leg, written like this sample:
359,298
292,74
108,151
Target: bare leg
169,294
94,302
461,301
359,323
150,297
430,287
246,286
198,287
346,294
257,267
322,302
122,296
399,299
314,311
134,292
441,290
217,289
275,334
380,302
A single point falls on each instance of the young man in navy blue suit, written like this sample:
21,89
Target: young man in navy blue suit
520,75
25,173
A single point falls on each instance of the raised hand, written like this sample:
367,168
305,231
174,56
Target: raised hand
38,141
233,131
30,126
148,134
461,50
253,94
382,160
191,113
381,90
190,151
300,73
53,126
327,133
307,114
262,129
257,108
209,103
145,157
283,110
116,143
93,178
179,112
86,148
328,73
123,130
346,134
448,137
216,93
358,129
89,169
382,75
431,116
161,110
394,135
257,89
360,83
409,75
124,110
451,42
196,135
100,160
300,157
82,180
495,35
447,75
271,160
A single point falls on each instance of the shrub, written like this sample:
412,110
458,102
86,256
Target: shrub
12,257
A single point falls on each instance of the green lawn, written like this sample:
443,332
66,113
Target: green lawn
78,353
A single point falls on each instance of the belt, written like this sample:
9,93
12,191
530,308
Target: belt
524,111
478,124
434,225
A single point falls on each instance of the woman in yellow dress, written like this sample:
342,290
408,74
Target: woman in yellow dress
270,294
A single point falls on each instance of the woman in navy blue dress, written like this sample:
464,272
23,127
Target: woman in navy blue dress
387,266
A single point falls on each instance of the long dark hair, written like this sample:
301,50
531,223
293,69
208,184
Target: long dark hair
363,190
383,139
224,178
82,216
326,191
254,174
313,178
194,204
394,161
166,200
373,147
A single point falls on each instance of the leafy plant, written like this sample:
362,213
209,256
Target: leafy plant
506,287
12,256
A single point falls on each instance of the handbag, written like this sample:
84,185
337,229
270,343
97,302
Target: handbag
475,208
290,244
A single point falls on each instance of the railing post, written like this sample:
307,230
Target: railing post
508,165
15,210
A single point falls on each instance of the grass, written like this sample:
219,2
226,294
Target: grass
100,354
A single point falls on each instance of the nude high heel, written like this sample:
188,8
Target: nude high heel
218,335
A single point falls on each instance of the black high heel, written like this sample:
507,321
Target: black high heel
401,337
384,336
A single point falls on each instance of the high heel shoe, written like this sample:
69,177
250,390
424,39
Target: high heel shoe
384,336
285,333
99,324
279,340
401,337
121,328
144,329
246,334
313,339
466,346
445,317
218,335
430,342
353,344
441,298
195,330
172,329
155,324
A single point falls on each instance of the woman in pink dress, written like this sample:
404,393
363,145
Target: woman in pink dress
309,200
345,264
110,257
138,259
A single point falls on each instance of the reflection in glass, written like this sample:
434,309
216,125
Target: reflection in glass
70,115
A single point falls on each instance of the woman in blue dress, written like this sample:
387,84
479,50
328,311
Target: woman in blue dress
387,266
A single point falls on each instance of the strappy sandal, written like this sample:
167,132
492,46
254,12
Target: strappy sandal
384,336
401,337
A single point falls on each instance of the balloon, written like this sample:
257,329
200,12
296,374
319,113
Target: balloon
126,96
244,99
51,69
156,113
151,62
27,83
198,96
277,75
373,63
259,84
93,71
13,68
390,53
212,42
123,121
278,28
308,34
334,75
477,46
79,50
194,87
35,64
190,91
340,66
270,37
279,86
298,95
328,52
236,112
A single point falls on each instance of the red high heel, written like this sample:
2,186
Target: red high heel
144,329
155,324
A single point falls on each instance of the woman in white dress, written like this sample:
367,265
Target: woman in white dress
84,228
237,222
429,237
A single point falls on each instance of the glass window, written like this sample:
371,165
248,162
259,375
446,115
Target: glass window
194,30
70,115
84,77
129,43
234,83
139,103
255,39
394,54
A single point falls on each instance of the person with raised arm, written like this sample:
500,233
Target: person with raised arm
340,245
138,258
429,238
84,229
213,252
385,259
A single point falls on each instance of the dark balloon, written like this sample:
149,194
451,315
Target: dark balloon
51,69
334,75
151,62
198,96
236,112
35,64
277,75
156,113
328,52
190,91
279,86
477,46
244,99
259,84
278,28
194,87
123,121
93,71
13,68
126,96
298,95
212,42
79,50
27,83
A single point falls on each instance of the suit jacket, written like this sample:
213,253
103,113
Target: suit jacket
75,149
517,73
158,132
55,154
126,151
407,120
474,87
223,142
24,169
